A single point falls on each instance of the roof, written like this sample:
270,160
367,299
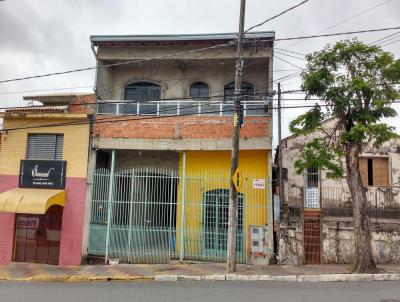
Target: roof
179,38
54,95
39,109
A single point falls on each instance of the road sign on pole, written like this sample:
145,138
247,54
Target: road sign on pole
237,179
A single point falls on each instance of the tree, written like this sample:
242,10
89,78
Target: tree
357,84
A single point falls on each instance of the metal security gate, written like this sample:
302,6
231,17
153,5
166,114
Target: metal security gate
155,215
142,215
38,237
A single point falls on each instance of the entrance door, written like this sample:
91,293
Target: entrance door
215,223
38,237
312,237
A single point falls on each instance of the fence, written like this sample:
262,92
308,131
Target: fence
254,107
155,215
383,202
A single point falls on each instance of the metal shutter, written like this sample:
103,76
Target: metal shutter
45,146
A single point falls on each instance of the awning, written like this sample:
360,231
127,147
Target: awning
30,201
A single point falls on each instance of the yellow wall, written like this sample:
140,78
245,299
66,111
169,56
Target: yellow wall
14,143
208,170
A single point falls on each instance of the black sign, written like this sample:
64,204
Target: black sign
49,174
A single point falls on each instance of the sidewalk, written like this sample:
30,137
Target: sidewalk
189,271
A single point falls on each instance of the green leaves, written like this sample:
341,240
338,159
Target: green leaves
357,83
315,154
308,122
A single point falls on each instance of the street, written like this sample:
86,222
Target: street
201,291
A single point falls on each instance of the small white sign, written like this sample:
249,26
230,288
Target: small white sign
259,184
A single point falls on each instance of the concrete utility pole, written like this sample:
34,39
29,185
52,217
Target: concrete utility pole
233,193
281,186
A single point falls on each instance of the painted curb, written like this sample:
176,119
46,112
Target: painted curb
227,277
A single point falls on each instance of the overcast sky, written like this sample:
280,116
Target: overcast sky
44,36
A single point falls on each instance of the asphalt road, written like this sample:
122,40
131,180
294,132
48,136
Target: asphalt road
201,291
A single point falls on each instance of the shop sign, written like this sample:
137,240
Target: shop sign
259,184
48,174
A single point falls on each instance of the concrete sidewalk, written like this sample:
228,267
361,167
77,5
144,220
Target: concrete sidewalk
190,271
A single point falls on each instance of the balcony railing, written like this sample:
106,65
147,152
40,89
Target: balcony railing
253,107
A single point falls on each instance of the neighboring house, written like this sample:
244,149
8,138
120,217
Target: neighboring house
43,168
316,220
162,141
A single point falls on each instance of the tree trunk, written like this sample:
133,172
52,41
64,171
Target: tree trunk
363,261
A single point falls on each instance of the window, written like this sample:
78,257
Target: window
247,89
143,92
198,90
312,177
45,146
312,190
375,171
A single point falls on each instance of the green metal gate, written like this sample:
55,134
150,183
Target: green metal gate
155,215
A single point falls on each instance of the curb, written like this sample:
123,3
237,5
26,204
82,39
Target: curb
226,277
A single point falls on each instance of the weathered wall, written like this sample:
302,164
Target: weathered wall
293,144
130,159
338,244
175,77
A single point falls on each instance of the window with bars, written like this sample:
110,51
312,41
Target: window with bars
45,146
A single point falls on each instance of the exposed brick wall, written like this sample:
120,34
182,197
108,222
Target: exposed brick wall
82,104
178,127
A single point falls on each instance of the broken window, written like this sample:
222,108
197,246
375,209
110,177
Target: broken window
375,171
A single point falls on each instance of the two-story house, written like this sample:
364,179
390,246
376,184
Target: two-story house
162,139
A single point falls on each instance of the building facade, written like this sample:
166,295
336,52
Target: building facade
162,140
316,213
43,169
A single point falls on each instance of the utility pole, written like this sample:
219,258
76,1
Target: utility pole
281,186
233,193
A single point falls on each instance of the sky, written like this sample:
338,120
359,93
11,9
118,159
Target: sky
44,36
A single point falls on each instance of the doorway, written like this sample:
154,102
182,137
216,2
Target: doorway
38,236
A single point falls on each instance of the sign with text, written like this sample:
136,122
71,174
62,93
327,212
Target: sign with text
259,184
48,174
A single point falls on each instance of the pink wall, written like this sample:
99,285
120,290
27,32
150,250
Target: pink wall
72,224
7,222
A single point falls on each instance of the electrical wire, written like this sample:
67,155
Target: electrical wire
344,21
135,118
197,50
276,16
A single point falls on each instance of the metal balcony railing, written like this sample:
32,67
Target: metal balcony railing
253,107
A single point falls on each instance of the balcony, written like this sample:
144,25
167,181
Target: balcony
256,106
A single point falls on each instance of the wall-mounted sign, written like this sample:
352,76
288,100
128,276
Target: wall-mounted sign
259,184
49,174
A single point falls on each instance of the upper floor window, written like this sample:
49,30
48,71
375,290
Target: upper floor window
247,89
198,90
45,146
142,92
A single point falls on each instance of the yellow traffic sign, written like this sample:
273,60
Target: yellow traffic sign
237,179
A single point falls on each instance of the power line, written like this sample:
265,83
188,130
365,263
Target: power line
344,21
118,64
276,16
331,35
197,50
385,38
390,43
290,63
136,118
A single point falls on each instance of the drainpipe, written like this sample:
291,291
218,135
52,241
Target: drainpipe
183,205
110,200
